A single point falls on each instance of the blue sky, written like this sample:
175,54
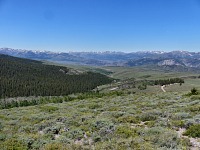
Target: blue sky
100,25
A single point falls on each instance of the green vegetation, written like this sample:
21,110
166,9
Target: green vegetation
194,91
102,121
169,81
70,112
193,131
23,77
148,72
143,86
6,103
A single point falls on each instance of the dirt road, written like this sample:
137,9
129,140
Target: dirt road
162,88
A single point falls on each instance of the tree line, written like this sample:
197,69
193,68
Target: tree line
169,81
6,104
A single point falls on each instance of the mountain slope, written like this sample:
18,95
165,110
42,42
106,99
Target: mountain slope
163,61
23,77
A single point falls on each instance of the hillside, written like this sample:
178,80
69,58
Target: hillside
111,121
122,115
24,77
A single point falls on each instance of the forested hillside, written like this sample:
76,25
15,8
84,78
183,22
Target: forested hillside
24,77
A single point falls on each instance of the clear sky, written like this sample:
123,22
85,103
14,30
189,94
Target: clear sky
100,25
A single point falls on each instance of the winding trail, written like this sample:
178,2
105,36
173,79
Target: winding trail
162,88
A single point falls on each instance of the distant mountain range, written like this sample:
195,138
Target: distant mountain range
159,58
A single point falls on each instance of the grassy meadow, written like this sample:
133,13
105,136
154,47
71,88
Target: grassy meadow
145,72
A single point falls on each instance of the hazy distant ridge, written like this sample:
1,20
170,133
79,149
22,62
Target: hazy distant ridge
160,58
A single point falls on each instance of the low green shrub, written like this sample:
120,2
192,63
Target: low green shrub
148,117
96,138
115,108
49,108
76,134
126,131
128,119
94,106
181,115
178,123
195,108
118,114
185,143
12,144
150,123
168,139
194,91
195,97
99,124
55,146
142,87
193,131
2,137
161,137
1,126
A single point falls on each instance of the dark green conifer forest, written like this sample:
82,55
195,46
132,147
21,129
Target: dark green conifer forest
23,77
